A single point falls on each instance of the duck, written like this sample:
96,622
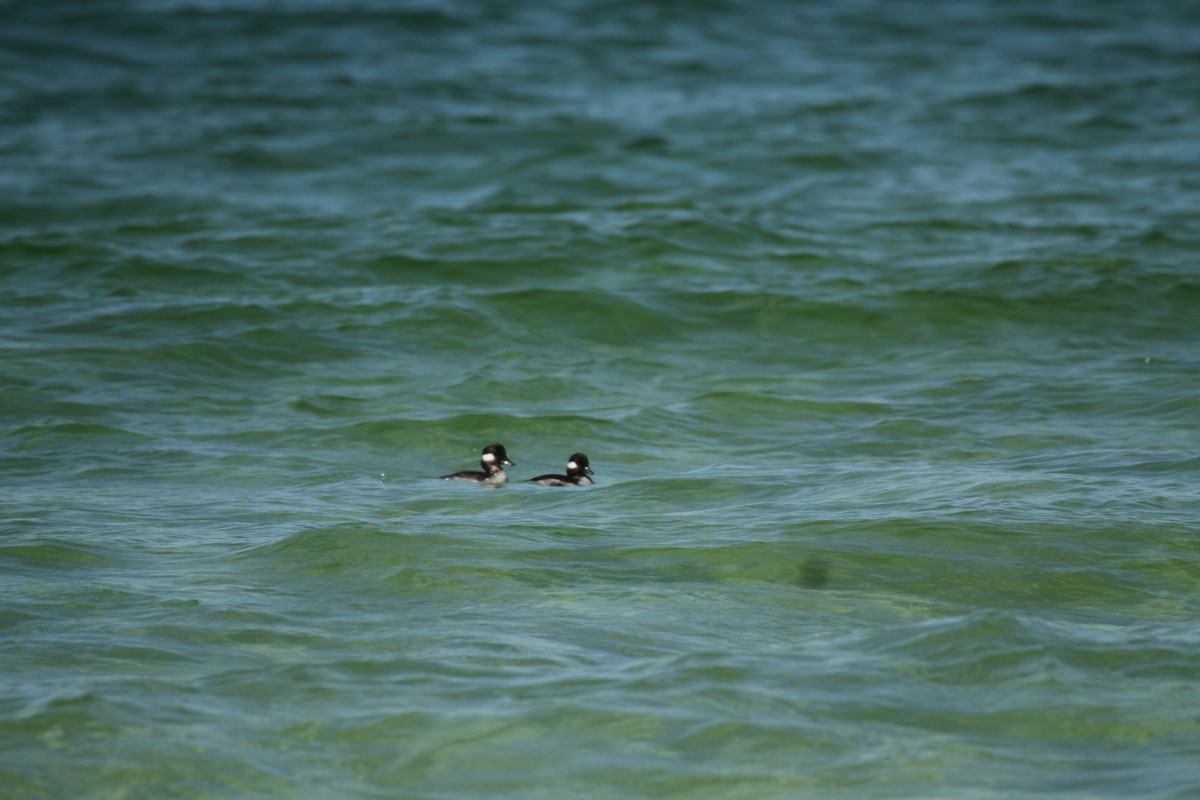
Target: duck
578,472
492,459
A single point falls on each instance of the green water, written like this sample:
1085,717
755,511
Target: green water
879,324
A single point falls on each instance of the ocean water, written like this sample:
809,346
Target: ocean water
879,321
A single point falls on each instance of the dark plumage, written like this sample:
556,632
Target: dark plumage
578,471
493,474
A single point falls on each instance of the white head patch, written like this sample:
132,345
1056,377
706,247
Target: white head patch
572,465
488,457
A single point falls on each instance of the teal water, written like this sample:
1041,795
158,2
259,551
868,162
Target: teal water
879,322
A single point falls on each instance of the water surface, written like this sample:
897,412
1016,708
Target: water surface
878,322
